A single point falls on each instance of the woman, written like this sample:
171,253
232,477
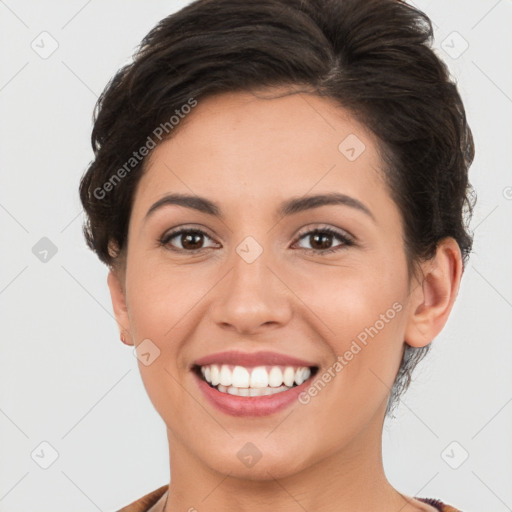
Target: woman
280,191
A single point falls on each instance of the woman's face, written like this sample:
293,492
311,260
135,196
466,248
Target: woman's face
257,280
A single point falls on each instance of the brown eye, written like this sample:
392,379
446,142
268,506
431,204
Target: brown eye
191,240
321,240
188,240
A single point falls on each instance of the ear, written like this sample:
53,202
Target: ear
119,305
434,295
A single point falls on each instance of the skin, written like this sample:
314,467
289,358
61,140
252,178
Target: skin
248,154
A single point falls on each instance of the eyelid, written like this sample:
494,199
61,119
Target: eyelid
342,233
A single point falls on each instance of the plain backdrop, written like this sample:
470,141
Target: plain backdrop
71,397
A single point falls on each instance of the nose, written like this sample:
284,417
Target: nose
252,297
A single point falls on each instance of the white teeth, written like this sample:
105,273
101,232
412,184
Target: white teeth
252,391
257,391
288,376
232,390
214,371
259,377
302,375
225,376
243,391
240,377
257,381
275,377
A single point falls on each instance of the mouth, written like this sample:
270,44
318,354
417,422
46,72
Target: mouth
253,381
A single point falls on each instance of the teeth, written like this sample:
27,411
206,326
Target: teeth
302,375
240,377
215,375
257,381
289,376
259,377
275,377
231,390
225,376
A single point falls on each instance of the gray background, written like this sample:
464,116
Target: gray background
67,380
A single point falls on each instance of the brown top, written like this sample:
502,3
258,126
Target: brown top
146,502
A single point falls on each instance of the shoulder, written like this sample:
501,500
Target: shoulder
439,505
146,502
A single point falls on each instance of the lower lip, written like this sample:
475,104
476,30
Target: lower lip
250,406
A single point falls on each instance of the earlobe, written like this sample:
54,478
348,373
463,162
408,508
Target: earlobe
433,298
119,305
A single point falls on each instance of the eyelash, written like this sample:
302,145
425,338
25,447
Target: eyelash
346,240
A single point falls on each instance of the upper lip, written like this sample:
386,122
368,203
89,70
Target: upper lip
264,358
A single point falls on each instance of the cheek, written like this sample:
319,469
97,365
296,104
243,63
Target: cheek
361,316
349,298
161,305
160,297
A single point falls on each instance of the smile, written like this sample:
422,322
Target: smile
253,381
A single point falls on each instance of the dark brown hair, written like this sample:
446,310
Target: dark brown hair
373,57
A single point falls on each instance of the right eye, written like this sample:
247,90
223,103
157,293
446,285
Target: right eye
190,240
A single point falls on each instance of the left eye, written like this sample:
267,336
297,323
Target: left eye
190,239
322,238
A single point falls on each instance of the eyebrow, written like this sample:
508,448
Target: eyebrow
288,207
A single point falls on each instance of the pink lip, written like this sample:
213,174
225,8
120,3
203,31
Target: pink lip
250,406
254,359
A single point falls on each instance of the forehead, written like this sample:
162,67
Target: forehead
240,147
